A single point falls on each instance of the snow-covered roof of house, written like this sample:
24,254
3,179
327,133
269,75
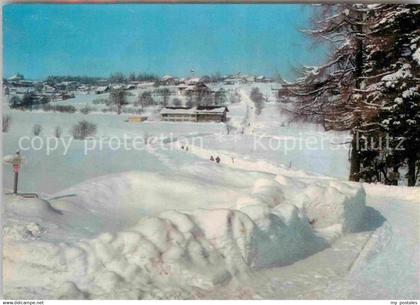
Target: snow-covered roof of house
102,88
212,109
249,77
193,80
146,83
178,110
15,77
167,77
194,110
234,78
190,88
66,83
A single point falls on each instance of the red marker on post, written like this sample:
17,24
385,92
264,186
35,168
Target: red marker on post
16,168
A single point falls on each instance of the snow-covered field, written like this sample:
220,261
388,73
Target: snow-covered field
166,222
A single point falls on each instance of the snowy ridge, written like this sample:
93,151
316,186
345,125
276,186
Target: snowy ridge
237,161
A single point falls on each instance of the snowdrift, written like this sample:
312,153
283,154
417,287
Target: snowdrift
176,248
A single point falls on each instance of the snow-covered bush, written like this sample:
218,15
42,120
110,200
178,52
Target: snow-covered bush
111,108
6,122
118,97
36,130
132,110
57,131
15,102
59,108
99,101
83,129
229,127
234,98
145,99
146,138
258,98
87,109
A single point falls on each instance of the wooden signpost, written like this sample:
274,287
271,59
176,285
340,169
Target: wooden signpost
16,161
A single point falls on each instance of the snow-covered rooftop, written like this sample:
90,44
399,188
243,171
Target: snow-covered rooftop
180,110
167,77
193,110
101,88
193,80
15,77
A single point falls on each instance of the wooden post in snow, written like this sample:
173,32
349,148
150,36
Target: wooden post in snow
15,161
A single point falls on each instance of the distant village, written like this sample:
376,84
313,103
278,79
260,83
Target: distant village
181,99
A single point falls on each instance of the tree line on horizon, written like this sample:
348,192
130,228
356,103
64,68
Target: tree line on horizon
118,77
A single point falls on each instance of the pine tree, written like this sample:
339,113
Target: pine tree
393,84
15,102
28,100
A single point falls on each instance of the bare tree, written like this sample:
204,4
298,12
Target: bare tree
118,97
83,129
330,93
132,77
15,102
165,93
117,78
145,99
229,128
220,97
258,98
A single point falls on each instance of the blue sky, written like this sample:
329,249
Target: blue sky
96,40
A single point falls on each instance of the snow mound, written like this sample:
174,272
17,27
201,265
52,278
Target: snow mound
130,195
328,202
267,221
198,249
30,207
